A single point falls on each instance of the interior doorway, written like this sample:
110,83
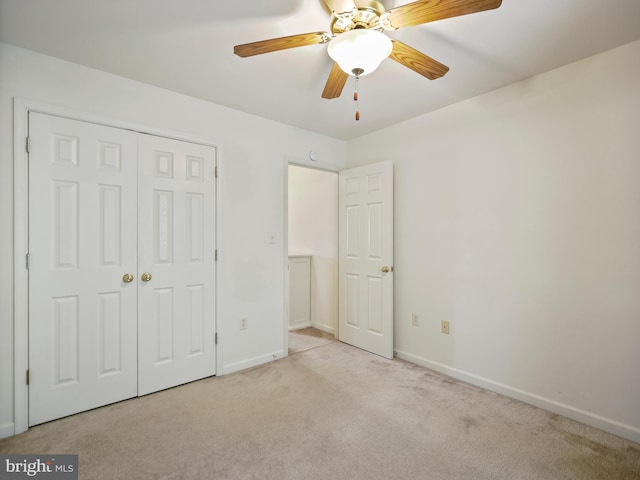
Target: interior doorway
347,228
312,233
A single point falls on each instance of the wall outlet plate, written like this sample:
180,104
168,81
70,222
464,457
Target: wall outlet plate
445,327
244,323
415,321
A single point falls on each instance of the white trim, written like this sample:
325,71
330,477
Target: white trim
21,109
219,262
324,328
290,160
253,362
608,425
20,273
58,111
285,253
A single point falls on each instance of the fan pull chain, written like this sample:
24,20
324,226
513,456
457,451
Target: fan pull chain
355,99
357,72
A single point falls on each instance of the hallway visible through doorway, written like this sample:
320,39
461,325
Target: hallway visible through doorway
308,338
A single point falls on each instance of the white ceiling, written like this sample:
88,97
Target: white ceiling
187,46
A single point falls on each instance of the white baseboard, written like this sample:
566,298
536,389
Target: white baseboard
608,425
7,430
252,362
300,326
324,328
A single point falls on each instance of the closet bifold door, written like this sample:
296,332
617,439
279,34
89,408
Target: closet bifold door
121,265
82,253
176,261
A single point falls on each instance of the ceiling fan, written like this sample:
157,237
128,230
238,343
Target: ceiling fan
357,44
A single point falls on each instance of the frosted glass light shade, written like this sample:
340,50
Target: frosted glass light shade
359,49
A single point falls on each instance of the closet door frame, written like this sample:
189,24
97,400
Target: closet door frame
21,109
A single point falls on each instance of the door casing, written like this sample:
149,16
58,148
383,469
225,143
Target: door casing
285,242
21,109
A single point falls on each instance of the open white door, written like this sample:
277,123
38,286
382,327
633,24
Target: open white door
366,258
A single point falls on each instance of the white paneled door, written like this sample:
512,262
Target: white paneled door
176,262
93,232
82,241
366,258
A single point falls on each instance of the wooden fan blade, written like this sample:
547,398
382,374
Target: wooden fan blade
282,43
417,61
340,6
424,11
335,82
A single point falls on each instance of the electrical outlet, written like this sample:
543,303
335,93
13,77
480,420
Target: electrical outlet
445,327
415,321
244,323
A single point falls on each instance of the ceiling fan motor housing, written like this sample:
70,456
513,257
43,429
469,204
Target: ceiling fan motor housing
366,15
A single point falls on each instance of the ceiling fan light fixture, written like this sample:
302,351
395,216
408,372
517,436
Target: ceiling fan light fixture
359,50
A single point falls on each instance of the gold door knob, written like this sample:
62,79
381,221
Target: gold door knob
385,269
146,277
127,278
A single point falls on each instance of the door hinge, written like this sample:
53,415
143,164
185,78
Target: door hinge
216,256
28,375
28,261
216,169
28,145
216,338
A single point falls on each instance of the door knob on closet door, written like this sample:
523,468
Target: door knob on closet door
385,269
146,277
127,278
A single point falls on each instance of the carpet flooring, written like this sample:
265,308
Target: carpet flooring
331,412
306,338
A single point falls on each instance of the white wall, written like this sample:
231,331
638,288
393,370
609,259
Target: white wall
313,230
517,218
252,150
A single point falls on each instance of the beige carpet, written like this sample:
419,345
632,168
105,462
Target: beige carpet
332,412
306,338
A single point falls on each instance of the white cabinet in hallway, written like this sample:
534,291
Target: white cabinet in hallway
299,291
